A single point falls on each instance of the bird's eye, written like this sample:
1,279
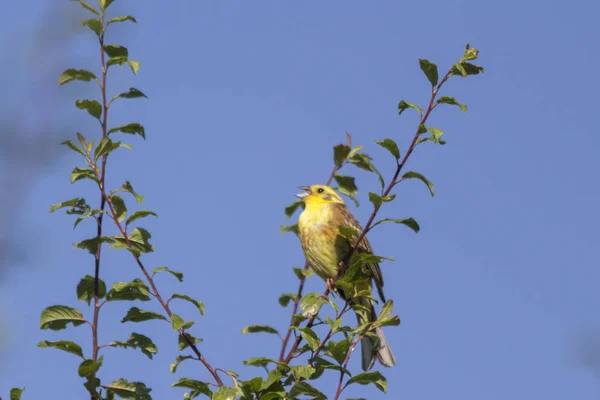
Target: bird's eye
320,190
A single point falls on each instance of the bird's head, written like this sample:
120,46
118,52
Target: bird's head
319,194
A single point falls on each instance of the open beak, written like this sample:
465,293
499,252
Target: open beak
305,193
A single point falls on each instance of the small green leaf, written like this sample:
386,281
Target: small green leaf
91,106
183,343
176,322
367,378
15,393
303,371
405,105
225,393
119,207
338,350
340,153
346,183
198,387
436,134
176,274
178,360
134,66
91,245
126,187
303,273
129,291
122,18
85,5
64,345
416,175
258,329
430,70
388,321
74,147
88,368
451,100
291,209
410,222
377,200
120,61
272,378
129,390
390,146
78,201
82,173
311,338
106,3
76,75
57,318
422,129
199,305
131,128
304,388
465,69
94,25
285,299
136,315
113,50
105,147
139,239
86,289
363,161
334,323
311,303
259,362
289,228
471,53
133,93
140,214
137,341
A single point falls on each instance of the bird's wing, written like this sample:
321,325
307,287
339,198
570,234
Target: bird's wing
344,217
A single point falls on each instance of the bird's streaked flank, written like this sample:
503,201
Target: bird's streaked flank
325,247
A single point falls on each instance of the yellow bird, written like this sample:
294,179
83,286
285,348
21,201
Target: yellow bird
324,249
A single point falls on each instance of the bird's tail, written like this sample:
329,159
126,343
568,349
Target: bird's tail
383,353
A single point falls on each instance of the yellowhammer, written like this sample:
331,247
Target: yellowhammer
325,248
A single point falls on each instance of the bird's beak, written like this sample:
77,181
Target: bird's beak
305,193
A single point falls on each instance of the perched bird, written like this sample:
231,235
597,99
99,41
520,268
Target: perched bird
324,248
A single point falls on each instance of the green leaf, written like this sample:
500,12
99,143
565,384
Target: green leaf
57,318
430,70
334,323
346,183
199,305
77,201
451,100
82,173
88,368
176,322
126,187
64,345
225,393
76,75
86,289
129,390
74,147
176,274
289,228
302,371
105,147
258,329
87,6
377,200
91,106
471,53
410,222
285,299
86,215
363,161
91,245
178,360
196,386
15,393
311,338
312,303
94,25
136,315
272,378
340,153
304,388
129,291
388,321
259,362
416,175
113,50
106,3
122,18
139,239
120,61
134,66
390,146
133,93
303,273
291,209
182,342
465,69
436,134
405,105
338,350
367,378
131,128
140,214
137,341
119,207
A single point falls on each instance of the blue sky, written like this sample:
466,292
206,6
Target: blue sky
246,100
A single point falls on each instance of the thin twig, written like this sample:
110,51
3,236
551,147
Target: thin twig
345,367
